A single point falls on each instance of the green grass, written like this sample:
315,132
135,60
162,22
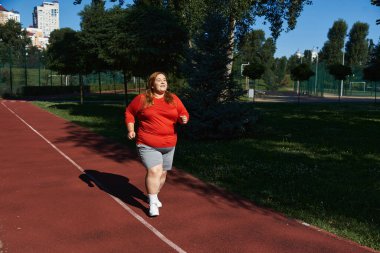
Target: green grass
319,163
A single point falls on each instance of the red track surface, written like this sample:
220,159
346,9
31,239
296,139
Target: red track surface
48,205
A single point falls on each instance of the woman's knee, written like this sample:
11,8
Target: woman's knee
156,170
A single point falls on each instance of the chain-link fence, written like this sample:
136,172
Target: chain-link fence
19,70
322,83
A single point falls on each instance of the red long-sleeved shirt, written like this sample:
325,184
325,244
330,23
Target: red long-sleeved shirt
156,122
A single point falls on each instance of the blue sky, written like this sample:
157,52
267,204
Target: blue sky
311,30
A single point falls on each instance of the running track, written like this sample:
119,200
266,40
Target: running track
66,189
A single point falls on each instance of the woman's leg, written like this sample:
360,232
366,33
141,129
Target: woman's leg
162,179
152,183
153,179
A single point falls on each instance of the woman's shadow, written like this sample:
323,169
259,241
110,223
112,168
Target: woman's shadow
116,185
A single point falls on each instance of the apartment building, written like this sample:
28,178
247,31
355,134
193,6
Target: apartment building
46,17
6,15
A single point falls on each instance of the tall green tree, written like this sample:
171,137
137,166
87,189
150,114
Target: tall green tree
14,40
65,55
157,40
302,72
293,62
332,49
212,95
357,44
254,70
371,49
340,71
251,46
64,52
94,37
280,67
371,72
256,49
242,15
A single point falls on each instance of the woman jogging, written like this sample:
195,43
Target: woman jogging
157,112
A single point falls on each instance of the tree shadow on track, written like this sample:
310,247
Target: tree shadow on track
108,148
116,185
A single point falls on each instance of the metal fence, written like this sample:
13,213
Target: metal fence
322,83
18,69
16,73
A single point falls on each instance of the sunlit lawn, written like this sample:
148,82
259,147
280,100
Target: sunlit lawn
319,163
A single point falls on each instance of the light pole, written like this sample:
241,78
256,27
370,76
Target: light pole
25,67
299,56
39,68
341,81
246,78
10,69
314,55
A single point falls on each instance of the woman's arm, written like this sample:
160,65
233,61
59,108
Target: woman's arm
131,130
183,115
130,115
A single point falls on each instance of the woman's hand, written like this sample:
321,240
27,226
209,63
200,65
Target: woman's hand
131,135
184,119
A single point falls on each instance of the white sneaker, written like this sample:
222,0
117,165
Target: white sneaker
157,202
153,210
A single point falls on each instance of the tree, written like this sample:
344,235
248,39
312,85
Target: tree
302,72
251,46
357,44
212,95
339,71
280,67
156,42
371,72
14,38
255,48
254,70
241,15
371,50
307,56
332,50
377,3
94,37
65,55
117,49
293,62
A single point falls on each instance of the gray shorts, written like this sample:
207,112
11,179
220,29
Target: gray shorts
151,157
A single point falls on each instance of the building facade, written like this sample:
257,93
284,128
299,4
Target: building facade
6,15
46,17
37,37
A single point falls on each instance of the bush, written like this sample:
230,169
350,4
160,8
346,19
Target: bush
220,121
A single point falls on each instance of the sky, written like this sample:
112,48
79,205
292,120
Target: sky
310,32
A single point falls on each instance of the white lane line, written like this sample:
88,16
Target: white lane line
126,207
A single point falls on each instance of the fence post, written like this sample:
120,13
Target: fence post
25,67
10,69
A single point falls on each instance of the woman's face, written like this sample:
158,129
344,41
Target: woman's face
160,85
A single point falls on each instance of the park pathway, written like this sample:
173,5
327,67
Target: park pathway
65,189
